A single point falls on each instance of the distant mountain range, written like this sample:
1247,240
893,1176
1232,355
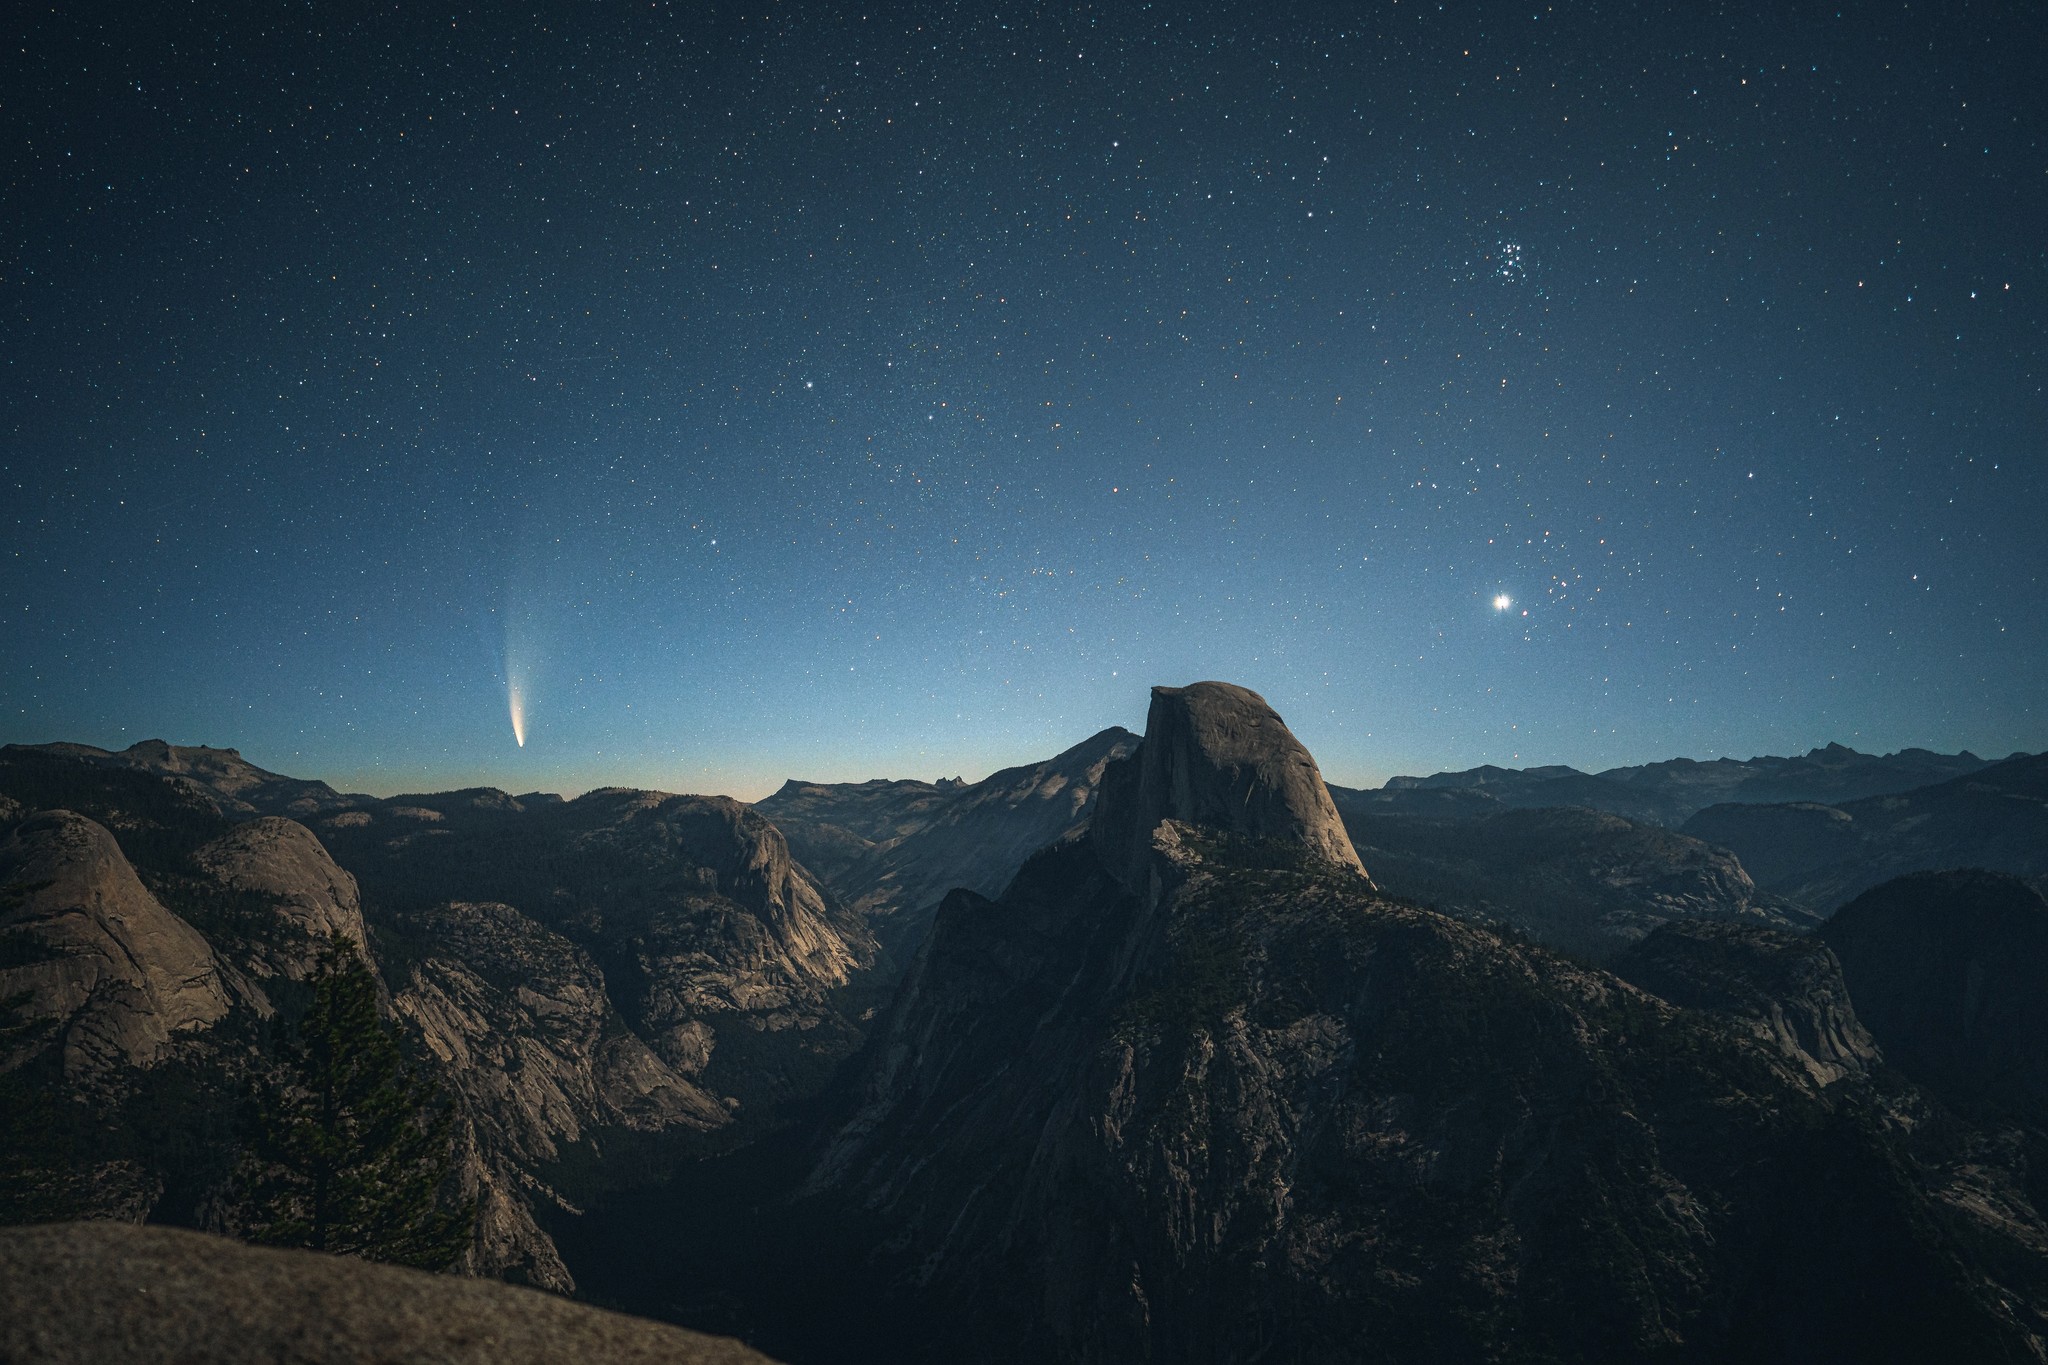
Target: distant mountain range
1668,793
1821,855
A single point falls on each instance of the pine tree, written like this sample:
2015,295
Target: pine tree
353,1146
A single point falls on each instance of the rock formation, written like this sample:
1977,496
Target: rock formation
95,953
87,1293
1190,1090
1216,756
313,899
1786,988
1947,969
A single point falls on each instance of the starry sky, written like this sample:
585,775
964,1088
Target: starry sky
785,390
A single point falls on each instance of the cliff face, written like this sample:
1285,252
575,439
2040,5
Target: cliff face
520,1022
117,974
1215,755
521,1018
1210,1098
1786,989
1947,969
311,897
974,836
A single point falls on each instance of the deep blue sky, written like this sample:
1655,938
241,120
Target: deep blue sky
782,391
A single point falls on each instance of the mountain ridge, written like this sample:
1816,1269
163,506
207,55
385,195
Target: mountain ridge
1187,1090
1668,791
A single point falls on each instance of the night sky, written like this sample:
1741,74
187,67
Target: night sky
789,391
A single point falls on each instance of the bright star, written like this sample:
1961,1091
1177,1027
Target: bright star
1502,602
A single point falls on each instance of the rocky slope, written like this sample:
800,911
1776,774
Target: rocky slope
1820,856
115,975
607,981
831,826
1190,1090
1947,970
600,983
1786,989
974,836
1585,881
86,1293
716,948
520,1021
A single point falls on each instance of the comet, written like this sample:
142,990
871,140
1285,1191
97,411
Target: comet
523,619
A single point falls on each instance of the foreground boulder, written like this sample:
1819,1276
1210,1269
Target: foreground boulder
84,1293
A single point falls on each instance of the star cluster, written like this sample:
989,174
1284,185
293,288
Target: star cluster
811,392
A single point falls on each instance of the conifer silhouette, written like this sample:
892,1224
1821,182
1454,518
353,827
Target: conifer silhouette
352,1145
